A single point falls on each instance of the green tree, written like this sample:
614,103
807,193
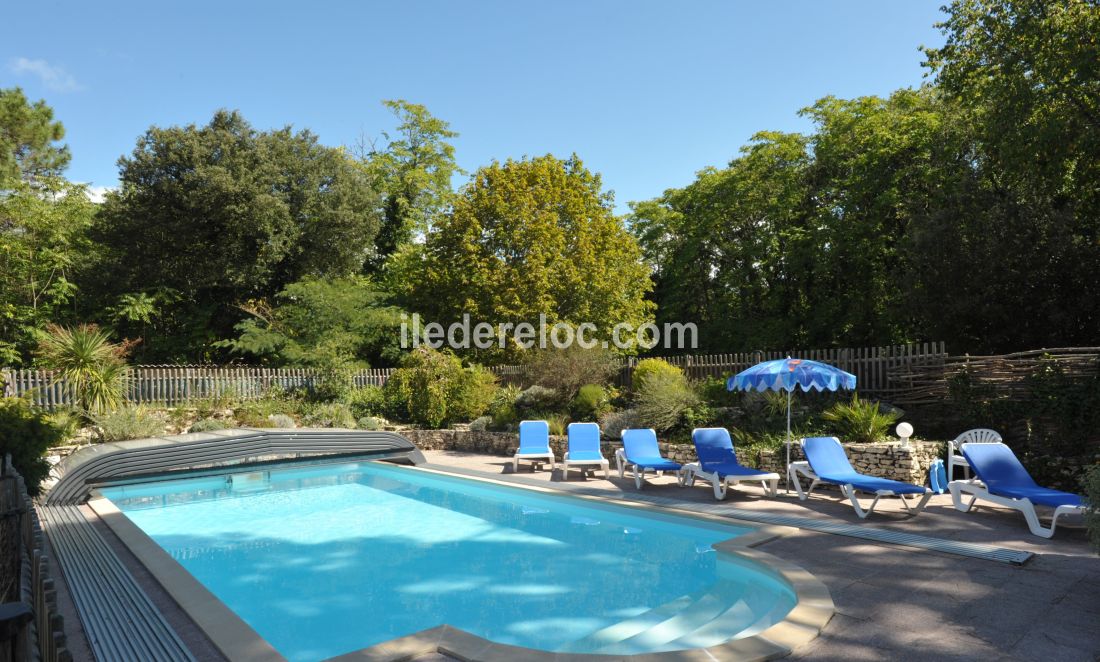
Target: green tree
319,322
525,238
43,225
413,172
223,213
27,136
92,368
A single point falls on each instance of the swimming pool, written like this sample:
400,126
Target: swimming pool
326,559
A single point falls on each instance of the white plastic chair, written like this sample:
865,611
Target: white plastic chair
975,436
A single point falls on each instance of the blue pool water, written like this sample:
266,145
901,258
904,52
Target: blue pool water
327,559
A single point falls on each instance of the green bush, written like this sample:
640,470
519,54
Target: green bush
613,423
472,394
129,422
713,391
26,434
329,415
208,424
432,389
67,420
565,371
665,401
502,409
366,401
591,402
370,423
1092,498
280,421
556,422
648,369
481,423
859,421
536,399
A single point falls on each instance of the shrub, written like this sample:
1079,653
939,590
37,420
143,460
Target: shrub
366,401
713,391
208,424
556,422
371,423
472,394
26,434
536,398
565,371
67,420
1092,498
613,423
646,369
281,421
92,368
860,421
129,422
502,409
481,423
665,400
432,389
591,401
329,415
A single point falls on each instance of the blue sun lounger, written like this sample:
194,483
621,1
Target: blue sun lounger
718,464
827,463
534,444
641,452
584,449
1001,478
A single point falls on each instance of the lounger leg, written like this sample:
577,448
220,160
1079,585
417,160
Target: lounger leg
606,471
771,487
850,492
638,477
792,478
681,477
515,464
720,487
916,510
620,464
956,498
1032,517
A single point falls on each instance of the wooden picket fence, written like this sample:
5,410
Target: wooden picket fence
880,371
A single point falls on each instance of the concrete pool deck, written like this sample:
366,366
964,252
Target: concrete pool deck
897,602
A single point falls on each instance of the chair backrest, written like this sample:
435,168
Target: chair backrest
534,436
713,445
827,456
977,436
583,437
640,443
996,465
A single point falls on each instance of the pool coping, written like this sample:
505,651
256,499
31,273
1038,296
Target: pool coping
239,641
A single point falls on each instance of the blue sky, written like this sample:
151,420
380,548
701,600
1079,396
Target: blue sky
647,93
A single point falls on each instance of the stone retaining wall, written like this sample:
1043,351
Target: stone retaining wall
888,460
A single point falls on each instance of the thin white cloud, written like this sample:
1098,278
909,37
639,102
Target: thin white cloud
98,194
52,76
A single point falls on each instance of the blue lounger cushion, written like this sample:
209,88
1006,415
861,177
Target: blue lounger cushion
716,455
831,465
1003,474
584,442
640,448
534,437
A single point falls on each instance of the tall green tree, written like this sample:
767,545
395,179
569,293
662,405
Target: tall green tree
413,172
28,137
223,213
43,225
525,238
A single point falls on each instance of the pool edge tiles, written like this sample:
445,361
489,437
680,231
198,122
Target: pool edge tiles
237,640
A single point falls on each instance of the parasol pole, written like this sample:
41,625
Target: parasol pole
788,481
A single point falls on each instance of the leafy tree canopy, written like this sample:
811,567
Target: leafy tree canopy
27,136
525,238
413,172
223,213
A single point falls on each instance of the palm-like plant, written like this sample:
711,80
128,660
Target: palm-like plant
92,368
860,421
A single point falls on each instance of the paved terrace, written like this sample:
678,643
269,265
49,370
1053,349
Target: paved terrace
896,602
